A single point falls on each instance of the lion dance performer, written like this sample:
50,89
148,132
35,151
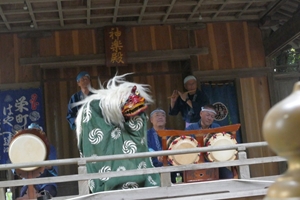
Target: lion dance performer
112,121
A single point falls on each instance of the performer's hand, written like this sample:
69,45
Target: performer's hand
174,95
174,98
183,95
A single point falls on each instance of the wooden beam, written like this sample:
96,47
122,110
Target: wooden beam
60,13
117,4
36,34
285,34
195,26
143,11
99,59
4,19
231,74
272,8
169,10
195,9
14,86
30,9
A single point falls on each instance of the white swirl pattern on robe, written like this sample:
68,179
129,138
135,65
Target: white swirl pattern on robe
151,181
103,170
130,185
116,133
136,123
87,115
121,168
95,136
129,147
91,184
142,165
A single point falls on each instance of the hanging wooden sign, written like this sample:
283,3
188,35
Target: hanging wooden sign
115,47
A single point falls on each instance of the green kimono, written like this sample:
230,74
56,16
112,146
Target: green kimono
99,138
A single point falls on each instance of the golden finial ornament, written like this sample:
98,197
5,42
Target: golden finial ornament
281,129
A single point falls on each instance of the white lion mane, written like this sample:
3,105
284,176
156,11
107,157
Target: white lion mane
111,100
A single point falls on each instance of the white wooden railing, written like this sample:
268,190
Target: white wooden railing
220,189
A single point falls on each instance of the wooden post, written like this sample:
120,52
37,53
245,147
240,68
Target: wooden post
2,192
165,179
244,170
83,188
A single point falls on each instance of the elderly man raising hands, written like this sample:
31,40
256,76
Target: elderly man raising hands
188,103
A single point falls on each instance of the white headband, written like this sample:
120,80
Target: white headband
189,78
208,110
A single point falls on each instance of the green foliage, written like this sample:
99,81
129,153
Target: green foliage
293,57
288,61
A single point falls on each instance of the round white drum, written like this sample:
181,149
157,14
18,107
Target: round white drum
27,148
221,139
183,142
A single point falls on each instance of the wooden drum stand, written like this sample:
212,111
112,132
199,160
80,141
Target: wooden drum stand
202,137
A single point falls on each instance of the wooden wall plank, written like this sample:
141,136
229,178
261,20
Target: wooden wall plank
162,41
26,48
152,38
231,40
57,44
179,38
256,47
75,42
47,46
65,43
231,45
238,52
212,47
247,44
94,42
143,38
7,70
86,42
205,62
131,39
255,105
99,38
16,50
222,46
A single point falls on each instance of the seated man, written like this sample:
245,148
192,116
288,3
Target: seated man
207,117
50,171
158,121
